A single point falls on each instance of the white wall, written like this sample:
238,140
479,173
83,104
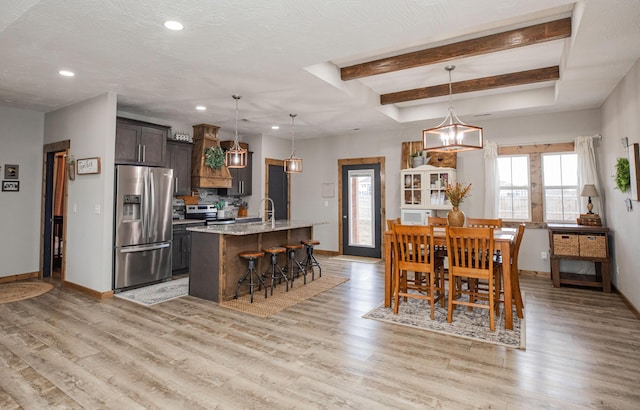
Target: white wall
321,156
90,125
621,118
21,139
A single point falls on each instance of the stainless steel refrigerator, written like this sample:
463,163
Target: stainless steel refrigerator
143,227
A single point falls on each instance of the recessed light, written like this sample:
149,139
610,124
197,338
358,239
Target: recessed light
201,108
275,127
173,25
66,73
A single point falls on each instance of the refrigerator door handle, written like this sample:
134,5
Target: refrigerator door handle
145,206
152,210
141,248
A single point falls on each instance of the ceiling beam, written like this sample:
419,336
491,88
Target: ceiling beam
539,33
478,84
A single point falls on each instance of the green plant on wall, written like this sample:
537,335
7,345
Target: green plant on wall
623,177
214,157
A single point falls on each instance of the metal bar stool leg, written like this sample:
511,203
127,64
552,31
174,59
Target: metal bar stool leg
294,268
311,261
251,274
275,272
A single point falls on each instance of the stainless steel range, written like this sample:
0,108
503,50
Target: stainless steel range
208,213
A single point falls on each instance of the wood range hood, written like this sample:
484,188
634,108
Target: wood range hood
206,136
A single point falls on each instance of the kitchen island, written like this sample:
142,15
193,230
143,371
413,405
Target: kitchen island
215,265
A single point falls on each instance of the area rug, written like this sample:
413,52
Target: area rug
15,291
360,259
158,293
467,324
281,299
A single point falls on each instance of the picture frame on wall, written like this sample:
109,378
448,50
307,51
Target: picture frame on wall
10,186
11,171
634,171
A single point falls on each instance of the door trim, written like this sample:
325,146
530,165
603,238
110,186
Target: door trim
60,146
362,161
280,163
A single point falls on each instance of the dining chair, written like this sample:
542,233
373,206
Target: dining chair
515,274
470,253
414,252
484,223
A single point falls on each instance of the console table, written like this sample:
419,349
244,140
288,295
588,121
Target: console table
579,242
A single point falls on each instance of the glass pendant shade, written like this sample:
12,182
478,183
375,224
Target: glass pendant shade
236,157
293,164
452,135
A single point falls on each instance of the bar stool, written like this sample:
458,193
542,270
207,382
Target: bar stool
275,272
310,261
293,263
251,257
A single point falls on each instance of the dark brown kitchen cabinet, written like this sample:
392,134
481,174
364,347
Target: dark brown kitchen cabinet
241,177
179,156
140,143
181,247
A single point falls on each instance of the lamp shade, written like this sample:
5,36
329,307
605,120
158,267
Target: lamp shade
589,190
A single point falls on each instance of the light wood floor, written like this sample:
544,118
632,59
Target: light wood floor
66,350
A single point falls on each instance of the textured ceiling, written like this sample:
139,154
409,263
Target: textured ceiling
283,56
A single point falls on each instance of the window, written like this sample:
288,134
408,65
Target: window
538,183
560,185
514,201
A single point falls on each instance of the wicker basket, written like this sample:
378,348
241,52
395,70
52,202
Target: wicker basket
565,244
593,246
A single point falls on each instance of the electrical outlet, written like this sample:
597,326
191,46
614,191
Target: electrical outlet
544,255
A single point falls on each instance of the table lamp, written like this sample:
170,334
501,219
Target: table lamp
589,190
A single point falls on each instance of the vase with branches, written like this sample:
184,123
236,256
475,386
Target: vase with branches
455,194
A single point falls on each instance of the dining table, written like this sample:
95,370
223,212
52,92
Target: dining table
504,239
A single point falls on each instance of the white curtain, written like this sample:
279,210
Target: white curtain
491,180
588,173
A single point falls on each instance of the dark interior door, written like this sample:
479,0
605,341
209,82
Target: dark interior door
361,198
48,217
279,190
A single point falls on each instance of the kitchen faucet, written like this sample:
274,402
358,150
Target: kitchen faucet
273,212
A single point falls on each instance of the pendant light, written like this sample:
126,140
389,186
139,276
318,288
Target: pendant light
236,157
452,135
293,164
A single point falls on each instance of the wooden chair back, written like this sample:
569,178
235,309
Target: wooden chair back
515,274
414,247
414,252
484,223
437,221
470,252
391,222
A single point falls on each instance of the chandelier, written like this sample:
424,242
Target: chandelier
236,157
452,135
293,164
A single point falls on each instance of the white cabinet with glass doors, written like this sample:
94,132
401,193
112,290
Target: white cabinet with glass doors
423,187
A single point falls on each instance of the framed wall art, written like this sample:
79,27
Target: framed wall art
634,171
10,186
88,166
11,171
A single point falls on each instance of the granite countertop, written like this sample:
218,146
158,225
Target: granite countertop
253,227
